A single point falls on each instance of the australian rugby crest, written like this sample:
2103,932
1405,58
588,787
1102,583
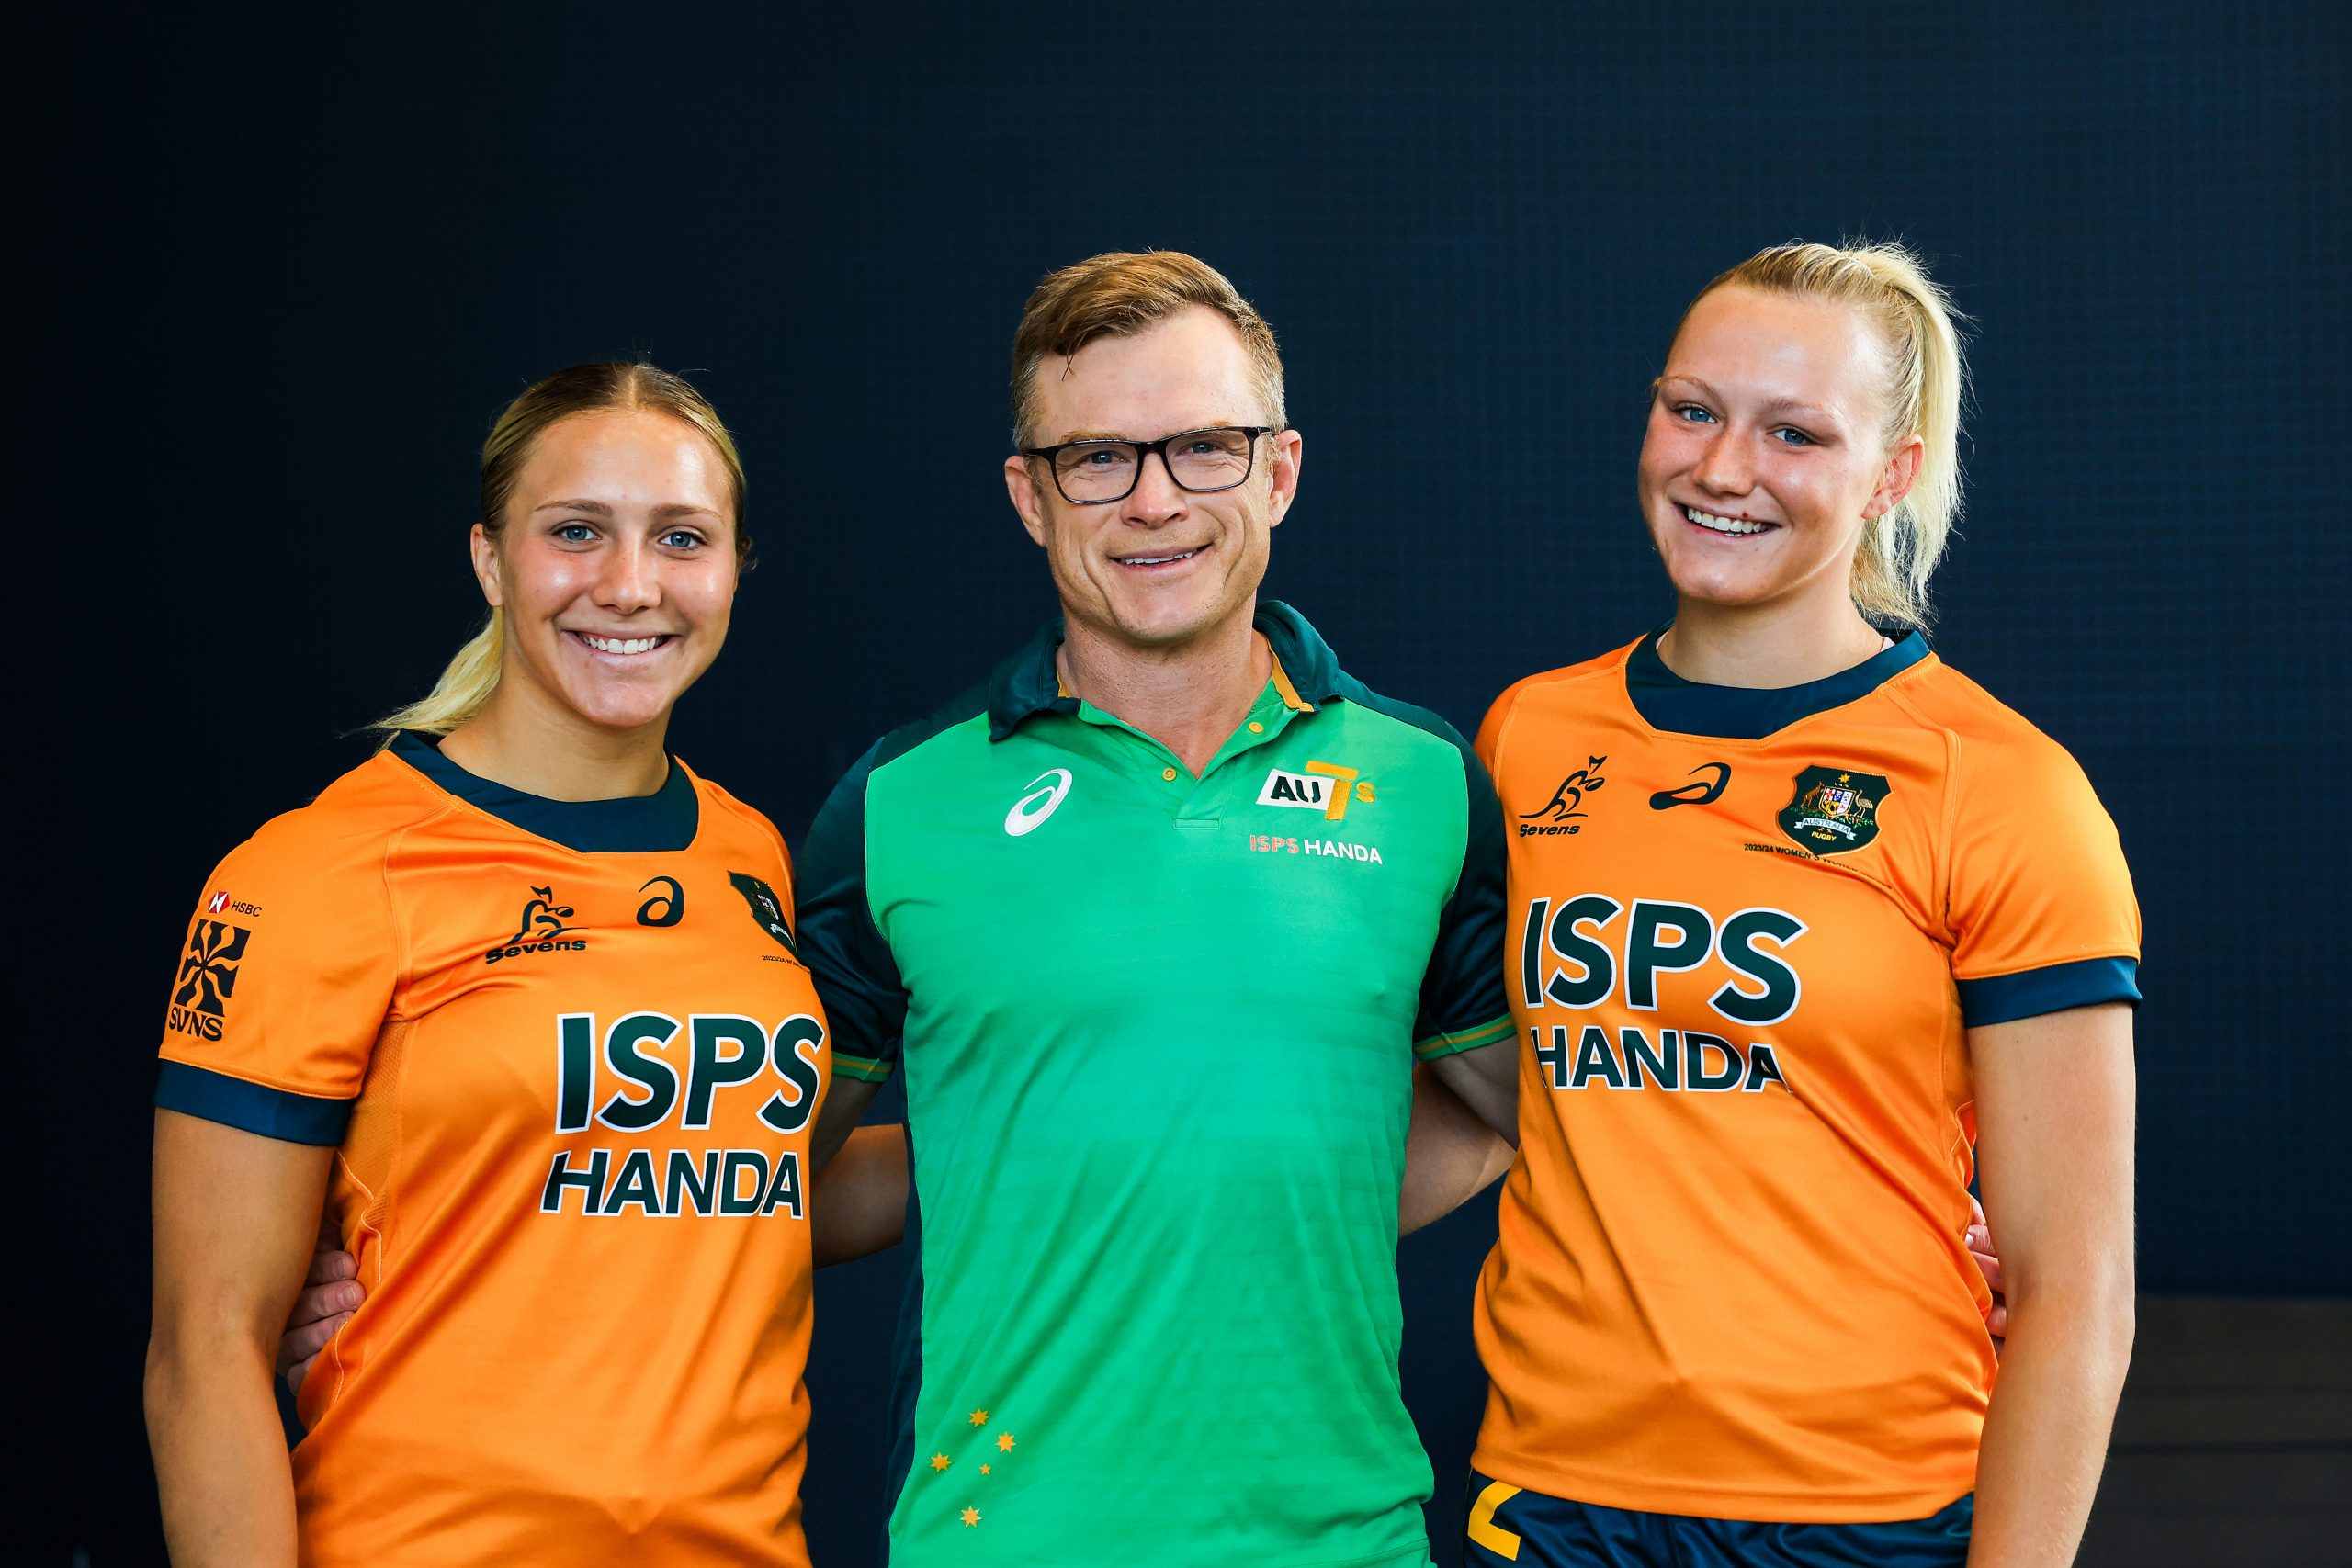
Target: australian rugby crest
1834,810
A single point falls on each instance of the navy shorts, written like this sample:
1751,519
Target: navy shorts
1528,1529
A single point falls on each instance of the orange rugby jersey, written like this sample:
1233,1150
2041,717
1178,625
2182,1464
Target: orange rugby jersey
1748,931
570,1058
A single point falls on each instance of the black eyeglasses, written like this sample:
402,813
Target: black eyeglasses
1095,473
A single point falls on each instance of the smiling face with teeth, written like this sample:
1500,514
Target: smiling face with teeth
616,569
1165,568
1766,454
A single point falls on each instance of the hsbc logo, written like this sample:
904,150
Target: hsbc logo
1325,787
220,904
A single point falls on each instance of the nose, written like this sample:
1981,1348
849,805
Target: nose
631,578
1156,498
1726,468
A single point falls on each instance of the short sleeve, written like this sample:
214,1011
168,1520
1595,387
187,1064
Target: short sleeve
2039,907
1463,1006
283,983
857,979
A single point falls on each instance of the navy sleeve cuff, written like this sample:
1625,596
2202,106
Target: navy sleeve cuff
2005,998
251,1107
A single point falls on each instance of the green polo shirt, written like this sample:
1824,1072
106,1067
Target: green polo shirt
1158,1035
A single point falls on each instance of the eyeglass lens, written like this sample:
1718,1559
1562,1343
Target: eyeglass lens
1197,460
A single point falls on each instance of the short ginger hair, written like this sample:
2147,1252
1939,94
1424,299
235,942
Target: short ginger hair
1120,294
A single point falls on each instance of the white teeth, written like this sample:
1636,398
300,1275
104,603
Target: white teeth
620,645
1155,561
1723,525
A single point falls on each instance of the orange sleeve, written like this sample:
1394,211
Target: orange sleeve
283,983
1490,731
2040,903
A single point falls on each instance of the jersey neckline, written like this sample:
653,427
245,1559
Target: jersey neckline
662,822
1668,702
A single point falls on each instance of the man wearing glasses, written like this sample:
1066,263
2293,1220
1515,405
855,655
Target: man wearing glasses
1156,921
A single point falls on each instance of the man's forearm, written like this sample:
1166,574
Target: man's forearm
2046,1434
220,1465
859,1206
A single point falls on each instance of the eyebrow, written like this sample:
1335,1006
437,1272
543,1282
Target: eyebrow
602,508
1117,435
1772,405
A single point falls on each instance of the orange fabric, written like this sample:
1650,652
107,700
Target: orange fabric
525,1385
1746,1296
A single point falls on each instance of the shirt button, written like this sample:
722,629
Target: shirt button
1257,728
1168,773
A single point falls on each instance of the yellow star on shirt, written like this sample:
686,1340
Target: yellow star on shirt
940,1462
971,1517
1004,1442
979,1417
984,1470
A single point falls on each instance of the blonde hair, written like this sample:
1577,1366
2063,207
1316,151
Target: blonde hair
471,676
1120,294
1927,384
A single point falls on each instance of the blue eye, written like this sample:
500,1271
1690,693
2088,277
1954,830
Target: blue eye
1691,413
1793,437
682,539
575,532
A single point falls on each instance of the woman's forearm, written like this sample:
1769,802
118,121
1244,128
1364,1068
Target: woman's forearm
2046,1434
220,1464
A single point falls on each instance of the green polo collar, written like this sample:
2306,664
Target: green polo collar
1028,683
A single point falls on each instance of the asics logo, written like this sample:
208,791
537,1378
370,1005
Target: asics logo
1029,813
1697,791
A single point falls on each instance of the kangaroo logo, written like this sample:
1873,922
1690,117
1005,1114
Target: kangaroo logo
1571,792
542,918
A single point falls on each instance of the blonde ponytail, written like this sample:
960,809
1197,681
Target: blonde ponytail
464,687
469,679
1927,384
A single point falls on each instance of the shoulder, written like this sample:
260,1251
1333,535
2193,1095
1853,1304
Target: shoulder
1572,686
1414,720
968,710
734,817
1991,744
352,819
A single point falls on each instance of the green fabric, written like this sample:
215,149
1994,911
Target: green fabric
1157,1054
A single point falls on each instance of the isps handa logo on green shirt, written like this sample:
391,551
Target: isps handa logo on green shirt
1327,788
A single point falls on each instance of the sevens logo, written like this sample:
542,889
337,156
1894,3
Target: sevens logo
1029,813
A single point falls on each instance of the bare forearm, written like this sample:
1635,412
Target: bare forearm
860,1204
220,1465
1451,1155
2046,1434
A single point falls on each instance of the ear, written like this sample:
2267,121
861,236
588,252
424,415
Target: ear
1894,482
1289,453
485,554
1022,486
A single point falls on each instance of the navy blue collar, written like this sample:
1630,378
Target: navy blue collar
1028,684
1667,700
660,822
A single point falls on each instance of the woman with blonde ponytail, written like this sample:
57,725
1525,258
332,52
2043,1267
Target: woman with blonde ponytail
518,1000
1818,912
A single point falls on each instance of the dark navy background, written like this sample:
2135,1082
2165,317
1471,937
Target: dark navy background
292,264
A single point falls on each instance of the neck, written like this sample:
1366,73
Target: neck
1765,646
1189,697
520,744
